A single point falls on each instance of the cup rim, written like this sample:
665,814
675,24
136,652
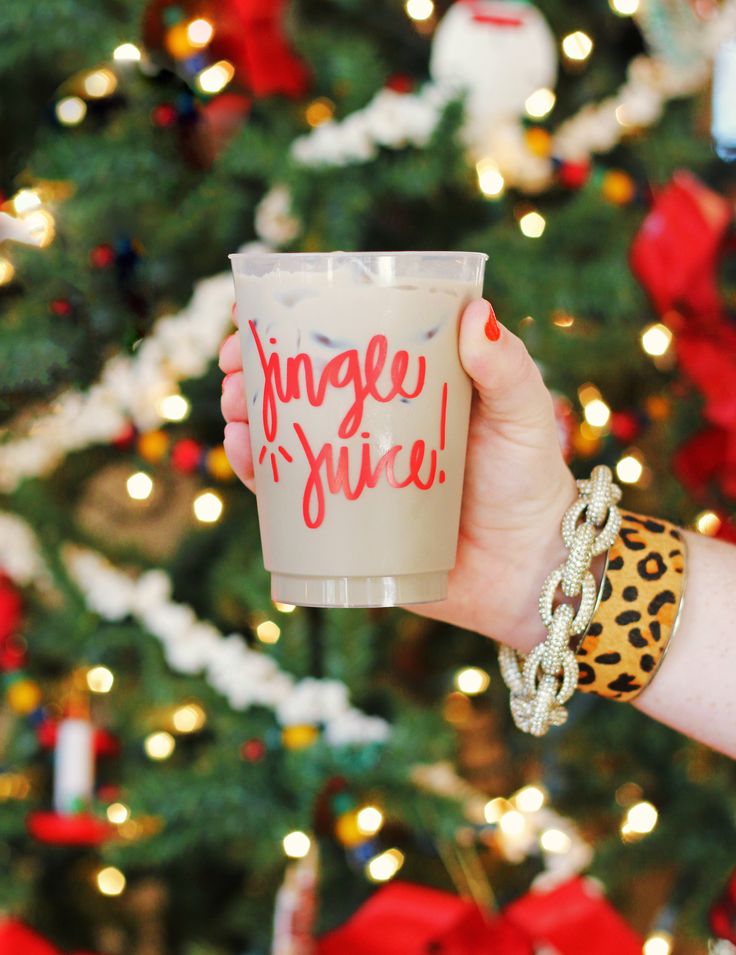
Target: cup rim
339,254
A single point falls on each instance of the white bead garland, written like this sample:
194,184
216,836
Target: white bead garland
245,677
396,120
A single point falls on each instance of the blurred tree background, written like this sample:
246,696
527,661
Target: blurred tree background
141,143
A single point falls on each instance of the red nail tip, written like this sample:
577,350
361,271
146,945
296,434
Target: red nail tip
492,330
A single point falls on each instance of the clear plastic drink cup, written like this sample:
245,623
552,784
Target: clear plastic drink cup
358,408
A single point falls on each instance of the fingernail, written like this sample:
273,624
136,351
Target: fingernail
492,330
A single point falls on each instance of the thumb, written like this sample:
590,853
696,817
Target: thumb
509,384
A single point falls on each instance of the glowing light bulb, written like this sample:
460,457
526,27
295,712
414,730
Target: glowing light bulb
200,32
562,319
268,631
174,407
624,8
532,225
319,111
110,881
597,413
641,818
708,523
207,507
7,271
577,46
384,867
539,103
369,820
139,486
419,9
494,809
658,943
159,745
656,339
100,679
555,841
490,181
100,83
587,392
71,110
117,813
472,680
284,608
296,844
25,200
629,469
215,78
189,718
126,53
529,798
512,823
42,227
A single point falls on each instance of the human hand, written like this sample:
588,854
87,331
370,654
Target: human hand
517,485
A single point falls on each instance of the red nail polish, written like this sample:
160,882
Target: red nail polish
492,330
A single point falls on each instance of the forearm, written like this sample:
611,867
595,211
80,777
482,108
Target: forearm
694,690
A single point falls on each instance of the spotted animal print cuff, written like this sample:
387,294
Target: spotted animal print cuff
639,608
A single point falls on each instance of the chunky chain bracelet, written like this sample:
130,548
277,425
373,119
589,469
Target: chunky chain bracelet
589,528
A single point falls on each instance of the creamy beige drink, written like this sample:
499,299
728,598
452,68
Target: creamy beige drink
358,409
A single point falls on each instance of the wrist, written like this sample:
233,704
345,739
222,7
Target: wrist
530,566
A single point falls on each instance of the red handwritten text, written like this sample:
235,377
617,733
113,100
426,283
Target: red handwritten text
329,471
342,371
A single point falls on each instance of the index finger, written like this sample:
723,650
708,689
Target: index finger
231,358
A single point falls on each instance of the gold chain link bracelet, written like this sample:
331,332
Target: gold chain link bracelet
589,528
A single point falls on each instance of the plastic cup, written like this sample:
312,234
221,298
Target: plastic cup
359,409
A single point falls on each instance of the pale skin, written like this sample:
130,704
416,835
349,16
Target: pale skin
517,487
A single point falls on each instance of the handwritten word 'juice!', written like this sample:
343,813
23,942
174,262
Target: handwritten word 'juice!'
293,378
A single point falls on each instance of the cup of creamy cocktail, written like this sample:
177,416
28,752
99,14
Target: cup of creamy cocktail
358,408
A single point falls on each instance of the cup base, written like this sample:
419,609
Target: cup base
359,591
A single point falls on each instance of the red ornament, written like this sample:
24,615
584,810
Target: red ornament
185,455
11,607
126,437
102,256
60,306
81,829
12,654
164,115
574,175
625,426
400,83
723,914
253,750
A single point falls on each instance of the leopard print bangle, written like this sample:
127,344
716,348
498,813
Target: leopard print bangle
640,604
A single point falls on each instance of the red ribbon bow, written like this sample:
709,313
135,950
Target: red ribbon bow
404,919
17,939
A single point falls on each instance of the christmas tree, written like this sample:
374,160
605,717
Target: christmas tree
143,143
